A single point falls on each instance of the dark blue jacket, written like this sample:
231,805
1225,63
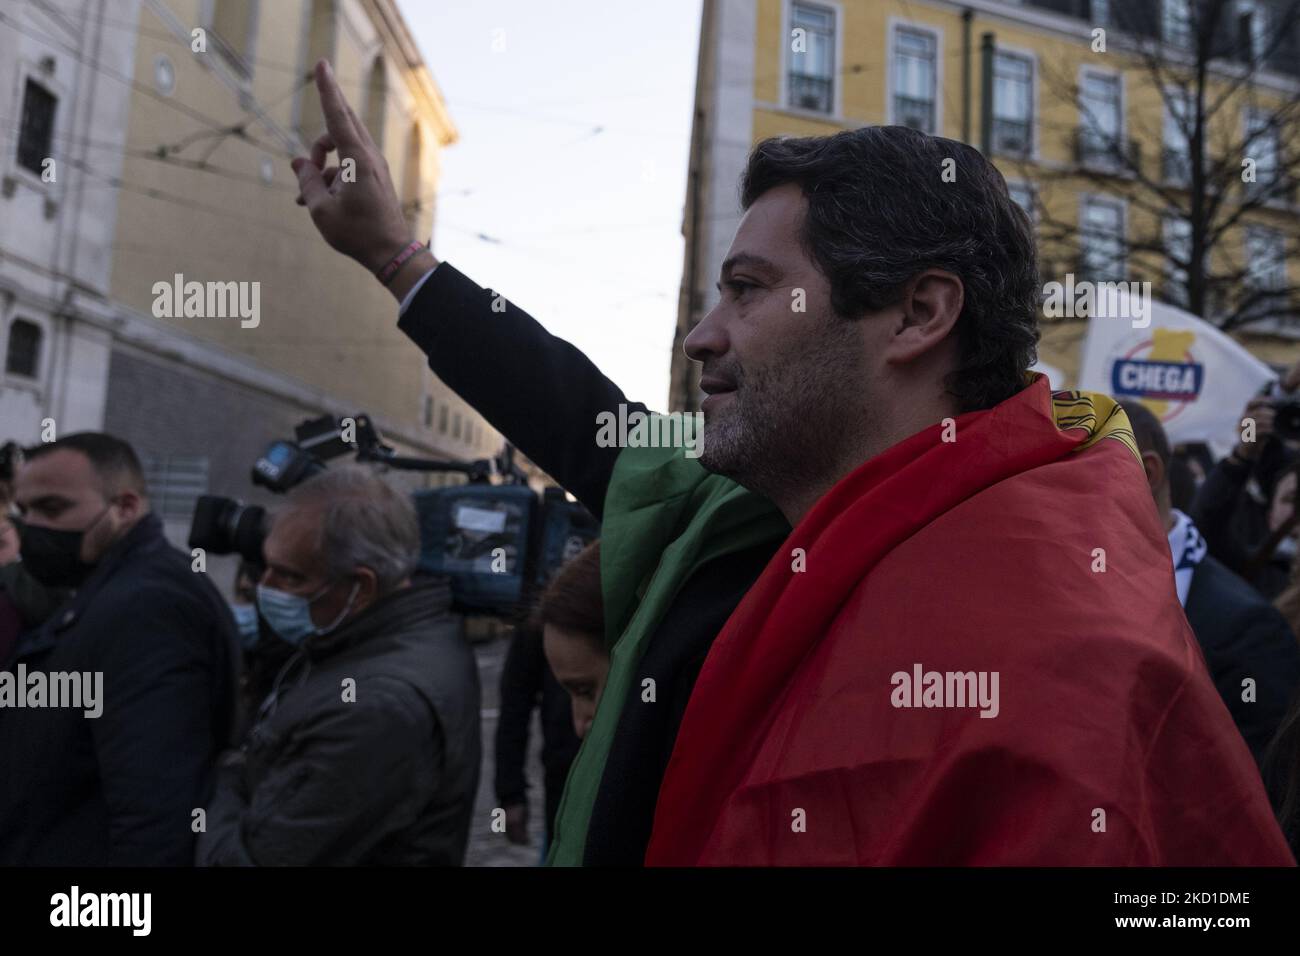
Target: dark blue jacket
121,789
1242,635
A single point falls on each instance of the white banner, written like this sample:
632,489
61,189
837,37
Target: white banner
1194,378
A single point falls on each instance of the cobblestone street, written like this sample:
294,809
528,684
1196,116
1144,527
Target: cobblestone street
485,847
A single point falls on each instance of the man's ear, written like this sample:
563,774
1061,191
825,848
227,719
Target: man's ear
368,591
131,504
1155,471
930,307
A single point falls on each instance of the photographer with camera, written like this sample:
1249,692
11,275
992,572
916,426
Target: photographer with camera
366,751
1244,503
114,778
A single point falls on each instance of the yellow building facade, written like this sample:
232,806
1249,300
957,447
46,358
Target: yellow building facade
1018,80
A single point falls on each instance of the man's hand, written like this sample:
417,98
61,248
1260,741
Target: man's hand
354,205
517,823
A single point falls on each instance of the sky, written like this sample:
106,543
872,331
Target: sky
566,189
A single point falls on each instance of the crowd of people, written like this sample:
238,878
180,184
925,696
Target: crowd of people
909,606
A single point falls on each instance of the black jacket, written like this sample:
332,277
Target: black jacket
122,789
527,683
549,411
1234,525
382,774
1243,636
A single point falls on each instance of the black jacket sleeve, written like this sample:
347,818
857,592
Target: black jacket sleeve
521,687
1216,501
1263,648
153,742
538,391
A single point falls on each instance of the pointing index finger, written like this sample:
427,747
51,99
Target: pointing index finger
338,118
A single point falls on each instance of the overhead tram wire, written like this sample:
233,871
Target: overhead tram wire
11,130
144,88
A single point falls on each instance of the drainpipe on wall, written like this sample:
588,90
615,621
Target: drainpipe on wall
986,94
967,15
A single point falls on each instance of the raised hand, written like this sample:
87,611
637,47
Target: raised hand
353,205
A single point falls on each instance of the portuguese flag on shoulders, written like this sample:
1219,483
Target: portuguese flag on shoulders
969,652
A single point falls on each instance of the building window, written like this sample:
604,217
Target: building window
455,426
1265,268
164,74
442,420
1262,146
1013,103
428,411
812,70
232,28
1252,30
1179,115
175,482
1101,241
1177,235
36,138
1100,121
24,355
1176,22
915,79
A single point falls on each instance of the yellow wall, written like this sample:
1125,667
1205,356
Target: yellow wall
862,72
324,320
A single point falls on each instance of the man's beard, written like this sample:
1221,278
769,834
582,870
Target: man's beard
793,425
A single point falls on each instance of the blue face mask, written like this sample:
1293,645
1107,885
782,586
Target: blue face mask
246,622
289,615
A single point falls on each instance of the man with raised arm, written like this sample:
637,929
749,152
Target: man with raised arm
910,607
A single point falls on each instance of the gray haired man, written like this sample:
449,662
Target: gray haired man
366,751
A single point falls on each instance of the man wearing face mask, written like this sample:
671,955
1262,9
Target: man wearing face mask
264,651
366,751
116,782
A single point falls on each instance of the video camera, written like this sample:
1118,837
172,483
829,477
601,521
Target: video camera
493,538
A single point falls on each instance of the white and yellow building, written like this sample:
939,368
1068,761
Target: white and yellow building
142,140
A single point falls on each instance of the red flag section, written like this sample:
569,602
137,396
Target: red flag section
982,662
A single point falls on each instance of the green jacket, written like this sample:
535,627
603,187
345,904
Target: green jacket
664,517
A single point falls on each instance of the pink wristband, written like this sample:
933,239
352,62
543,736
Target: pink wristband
387,273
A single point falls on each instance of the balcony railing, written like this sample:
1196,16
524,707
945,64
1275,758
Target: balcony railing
913,112
811,92
1012,137
1103,266
1099,151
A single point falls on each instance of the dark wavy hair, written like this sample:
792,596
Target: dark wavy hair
572,600
880,213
